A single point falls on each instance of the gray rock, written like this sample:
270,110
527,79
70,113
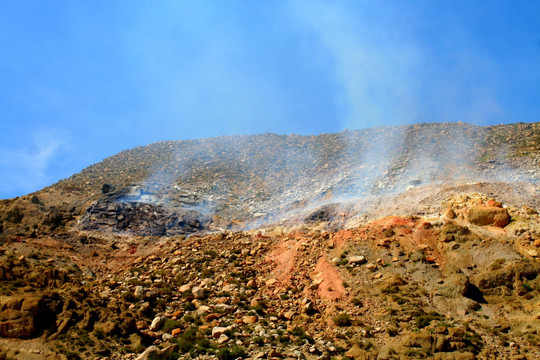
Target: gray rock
154,353
357,259
139,291
150,353
217,331
198,292
454,285
157,323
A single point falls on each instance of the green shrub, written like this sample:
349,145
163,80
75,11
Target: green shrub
186,341
170,324
390,290
232,353
189,306
258,340
424,320
356,302
342,319
298,331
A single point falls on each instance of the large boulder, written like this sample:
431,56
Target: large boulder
455,285
488,215
19,317
506,276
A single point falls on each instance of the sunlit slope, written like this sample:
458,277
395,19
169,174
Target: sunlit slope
245,177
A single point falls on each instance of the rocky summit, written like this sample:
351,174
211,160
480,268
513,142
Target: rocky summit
410,242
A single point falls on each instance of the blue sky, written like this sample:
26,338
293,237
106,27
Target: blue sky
81,81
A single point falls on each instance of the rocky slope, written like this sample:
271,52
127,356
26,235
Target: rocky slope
391,243
240,181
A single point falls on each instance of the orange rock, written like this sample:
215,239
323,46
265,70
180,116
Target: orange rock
482,215
209,325
177,313
141,325
493,203
249,319
176,332
450,213
211,317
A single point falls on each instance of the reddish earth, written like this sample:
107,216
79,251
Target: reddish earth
392,221
284,258
341,238
427,237
331,287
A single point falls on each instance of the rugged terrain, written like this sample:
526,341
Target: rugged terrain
392,243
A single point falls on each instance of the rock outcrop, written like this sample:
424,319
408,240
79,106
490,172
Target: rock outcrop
488,215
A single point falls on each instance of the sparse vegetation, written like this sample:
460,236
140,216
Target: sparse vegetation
342,319
262,287
231,353
424,320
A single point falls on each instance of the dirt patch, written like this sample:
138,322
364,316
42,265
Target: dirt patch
284,258
331,286
392,221
341,238
428,238
33,349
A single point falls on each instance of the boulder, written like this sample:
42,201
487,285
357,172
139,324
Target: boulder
424,341
198,292
217,331
357,259
19,317
184,288
107,188
455,285
16,324
157,323
505,276
484,215
250,319
223,339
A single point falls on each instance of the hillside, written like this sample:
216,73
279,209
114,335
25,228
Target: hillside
232,182
407,242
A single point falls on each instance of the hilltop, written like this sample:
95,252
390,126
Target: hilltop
234,182
408,242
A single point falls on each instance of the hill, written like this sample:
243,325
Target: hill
407,242
232,182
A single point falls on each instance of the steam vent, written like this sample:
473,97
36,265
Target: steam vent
406,242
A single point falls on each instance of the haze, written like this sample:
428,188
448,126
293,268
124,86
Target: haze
81,82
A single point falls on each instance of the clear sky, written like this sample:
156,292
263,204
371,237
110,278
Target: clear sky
81,81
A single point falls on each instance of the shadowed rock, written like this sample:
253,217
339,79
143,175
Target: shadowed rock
141,218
